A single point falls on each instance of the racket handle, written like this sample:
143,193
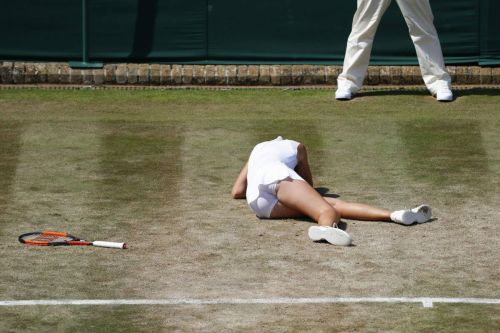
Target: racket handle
110,244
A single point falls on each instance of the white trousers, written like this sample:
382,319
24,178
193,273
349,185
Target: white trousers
418,17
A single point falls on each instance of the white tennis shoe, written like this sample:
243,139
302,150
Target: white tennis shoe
332,235
443,92
420,214
343,94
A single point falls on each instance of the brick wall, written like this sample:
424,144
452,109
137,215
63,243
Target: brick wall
232,75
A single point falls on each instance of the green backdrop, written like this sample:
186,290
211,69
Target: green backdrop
234,31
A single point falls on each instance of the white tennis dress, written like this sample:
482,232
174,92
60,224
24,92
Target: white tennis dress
269,163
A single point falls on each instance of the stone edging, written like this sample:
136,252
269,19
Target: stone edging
230,75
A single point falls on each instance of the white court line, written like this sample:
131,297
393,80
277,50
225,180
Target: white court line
426,301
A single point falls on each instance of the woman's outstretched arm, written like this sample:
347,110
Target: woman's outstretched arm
240,185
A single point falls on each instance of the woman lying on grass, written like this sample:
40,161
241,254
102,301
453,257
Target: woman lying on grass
277,183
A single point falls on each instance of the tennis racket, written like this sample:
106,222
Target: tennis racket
55,238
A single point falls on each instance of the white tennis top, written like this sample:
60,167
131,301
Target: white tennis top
270,162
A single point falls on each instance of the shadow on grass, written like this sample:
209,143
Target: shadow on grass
477,92
457,92
324,192
392,92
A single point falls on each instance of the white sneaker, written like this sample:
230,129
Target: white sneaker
418,214
343,94
330,234
443,92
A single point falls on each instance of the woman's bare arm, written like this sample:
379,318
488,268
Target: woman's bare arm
240,186
302,167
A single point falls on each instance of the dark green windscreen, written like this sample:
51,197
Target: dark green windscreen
490,32
234,31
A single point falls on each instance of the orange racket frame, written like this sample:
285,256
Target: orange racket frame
50,238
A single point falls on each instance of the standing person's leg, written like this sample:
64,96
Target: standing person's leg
419,18
359,46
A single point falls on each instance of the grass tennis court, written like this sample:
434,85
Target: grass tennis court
155,168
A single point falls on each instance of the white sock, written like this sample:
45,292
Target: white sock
397,216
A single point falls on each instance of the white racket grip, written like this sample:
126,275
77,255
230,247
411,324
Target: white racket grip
110,244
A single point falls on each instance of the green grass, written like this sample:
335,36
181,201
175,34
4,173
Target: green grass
155,168
248,318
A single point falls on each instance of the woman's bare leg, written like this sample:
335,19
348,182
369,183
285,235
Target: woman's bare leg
298,198
357,211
